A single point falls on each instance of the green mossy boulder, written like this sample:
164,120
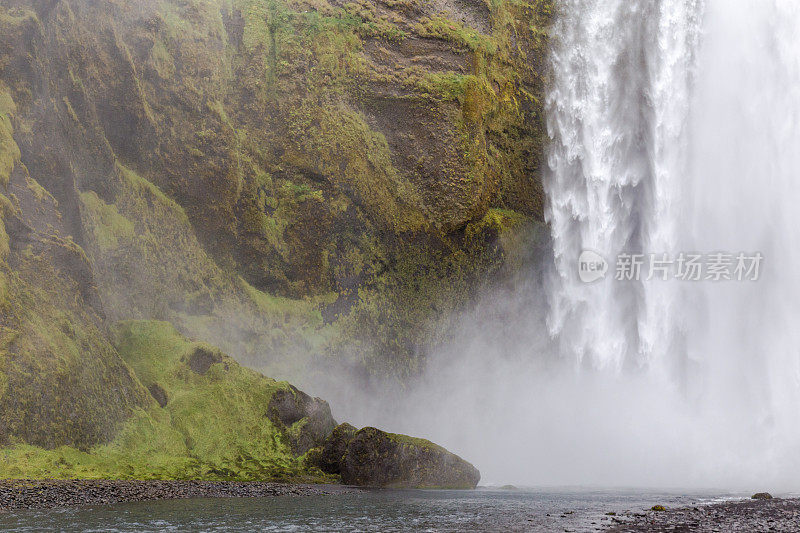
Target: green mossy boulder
307,421
370,457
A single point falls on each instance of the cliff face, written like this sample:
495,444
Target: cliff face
297,181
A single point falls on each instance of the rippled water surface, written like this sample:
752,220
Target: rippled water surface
385,511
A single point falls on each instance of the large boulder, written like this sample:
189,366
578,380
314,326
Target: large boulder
373,458
306,421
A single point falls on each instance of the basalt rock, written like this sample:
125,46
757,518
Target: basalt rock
329,457
158,394
307,421
373,458
202,357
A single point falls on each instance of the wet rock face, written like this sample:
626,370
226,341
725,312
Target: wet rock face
186,160
330,457
373,458
380,138
308,421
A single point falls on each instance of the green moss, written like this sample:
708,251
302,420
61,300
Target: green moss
146,258
336,142
6,206
144,189
212,427
285,309
109,228
457,32
9,151
4,242
144,449
162,61
500,221
151,348
7,105
375,24
47,332
448,85
415,442
39,192
220,414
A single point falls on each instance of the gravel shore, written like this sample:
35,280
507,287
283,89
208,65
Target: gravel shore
751,516
47,494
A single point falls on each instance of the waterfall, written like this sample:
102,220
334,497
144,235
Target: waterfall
618,113
676,128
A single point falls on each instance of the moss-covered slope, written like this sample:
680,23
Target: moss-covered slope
206,418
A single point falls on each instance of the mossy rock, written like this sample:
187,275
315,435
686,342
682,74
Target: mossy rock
370,457
306,421
195,424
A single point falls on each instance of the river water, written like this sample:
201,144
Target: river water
484,509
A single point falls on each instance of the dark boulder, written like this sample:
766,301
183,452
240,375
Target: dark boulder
762,496
306,421
202,357
329,459
159,394
373,458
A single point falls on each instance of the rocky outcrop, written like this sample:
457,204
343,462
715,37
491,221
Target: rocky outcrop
61,380
373,458
202,357
307,421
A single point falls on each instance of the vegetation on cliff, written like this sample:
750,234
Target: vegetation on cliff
209,418
305,183
206,417
319,150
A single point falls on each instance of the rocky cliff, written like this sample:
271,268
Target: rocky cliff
305,183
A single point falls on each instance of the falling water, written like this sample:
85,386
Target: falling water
676,127
618,112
